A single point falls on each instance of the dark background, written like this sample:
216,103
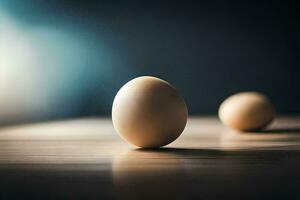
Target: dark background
207,49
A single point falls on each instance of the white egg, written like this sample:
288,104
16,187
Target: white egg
247,111
148,112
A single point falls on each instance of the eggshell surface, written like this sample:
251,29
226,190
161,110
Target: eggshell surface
247,111
148,112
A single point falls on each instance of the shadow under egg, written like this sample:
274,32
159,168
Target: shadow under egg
265,139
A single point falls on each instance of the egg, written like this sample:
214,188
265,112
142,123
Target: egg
247,111
148,112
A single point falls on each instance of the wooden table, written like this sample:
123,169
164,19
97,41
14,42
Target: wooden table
86,159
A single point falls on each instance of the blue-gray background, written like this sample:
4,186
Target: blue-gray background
84,51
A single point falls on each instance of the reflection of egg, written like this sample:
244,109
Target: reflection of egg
247,111
148,112
144,174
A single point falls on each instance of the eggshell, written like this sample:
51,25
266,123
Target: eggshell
247,111
148,112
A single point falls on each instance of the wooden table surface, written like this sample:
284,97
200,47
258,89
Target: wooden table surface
86,159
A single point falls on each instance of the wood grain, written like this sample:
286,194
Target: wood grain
86,159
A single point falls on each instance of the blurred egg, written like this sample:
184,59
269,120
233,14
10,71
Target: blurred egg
148,112
247,111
